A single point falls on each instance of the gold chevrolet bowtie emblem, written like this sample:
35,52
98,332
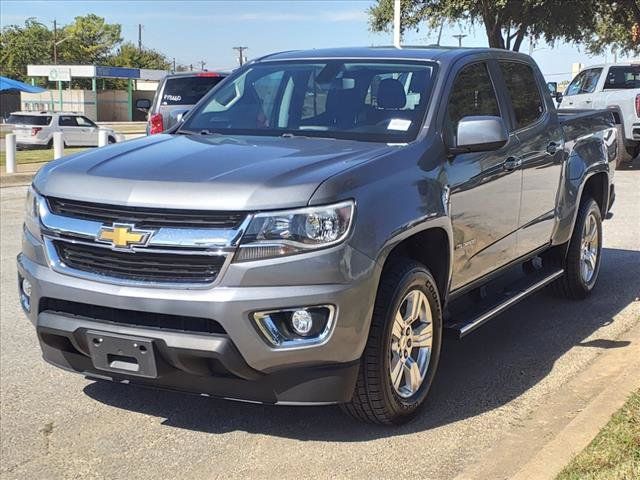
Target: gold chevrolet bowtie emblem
123,236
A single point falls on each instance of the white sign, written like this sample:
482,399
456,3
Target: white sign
60,75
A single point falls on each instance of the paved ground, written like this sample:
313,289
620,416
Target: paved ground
58,425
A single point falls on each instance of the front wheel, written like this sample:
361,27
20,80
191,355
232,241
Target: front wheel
400,359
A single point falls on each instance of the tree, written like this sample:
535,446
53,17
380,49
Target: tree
507,22
128,55
23,45
88,40
617,26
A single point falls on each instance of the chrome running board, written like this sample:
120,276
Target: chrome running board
464,328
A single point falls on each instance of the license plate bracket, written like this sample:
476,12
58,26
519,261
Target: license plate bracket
124,354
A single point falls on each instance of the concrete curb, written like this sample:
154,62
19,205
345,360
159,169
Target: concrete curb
16,179
567,421
559,452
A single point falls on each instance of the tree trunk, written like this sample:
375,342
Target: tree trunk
519,38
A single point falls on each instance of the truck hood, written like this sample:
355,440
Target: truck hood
204,172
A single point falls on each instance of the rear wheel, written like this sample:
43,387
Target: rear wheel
401,356
111,140
582,263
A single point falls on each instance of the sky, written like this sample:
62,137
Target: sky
205,30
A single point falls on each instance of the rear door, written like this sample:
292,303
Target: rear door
580,92
540,151
485,196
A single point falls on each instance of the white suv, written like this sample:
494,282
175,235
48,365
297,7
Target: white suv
35,129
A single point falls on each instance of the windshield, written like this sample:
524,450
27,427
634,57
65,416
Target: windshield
623,77
188,90
371,101
29,119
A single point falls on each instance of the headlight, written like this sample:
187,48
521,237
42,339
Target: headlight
274,234
32,212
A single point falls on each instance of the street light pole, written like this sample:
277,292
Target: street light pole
460,36
240,56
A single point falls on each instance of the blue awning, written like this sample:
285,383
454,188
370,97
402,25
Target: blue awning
8,84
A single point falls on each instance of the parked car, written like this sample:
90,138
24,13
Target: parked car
306,234
176,94
616,87
36,129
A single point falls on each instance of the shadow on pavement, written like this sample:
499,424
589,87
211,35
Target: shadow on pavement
494,366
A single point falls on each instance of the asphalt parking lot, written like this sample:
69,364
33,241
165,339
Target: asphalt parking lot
59,425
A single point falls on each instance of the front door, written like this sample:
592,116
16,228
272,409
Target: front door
579,93
541,152
485,196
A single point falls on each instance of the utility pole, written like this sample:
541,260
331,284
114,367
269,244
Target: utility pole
440,32
55,43
174,64
140,37
191,67
397,34
202,64
460,36
240,56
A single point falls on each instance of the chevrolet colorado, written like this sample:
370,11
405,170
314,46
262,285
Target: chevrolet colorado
314,224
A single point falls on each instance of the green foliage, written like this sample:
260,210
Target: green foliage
617,27
128,55
598,24
22,45
88,40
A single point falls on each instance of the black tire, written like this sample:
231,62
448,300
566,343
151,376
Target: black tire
572,284
50,144
624,156
374,399
111,140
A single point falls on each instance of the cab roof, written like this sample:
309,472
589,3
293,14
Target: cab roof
427,53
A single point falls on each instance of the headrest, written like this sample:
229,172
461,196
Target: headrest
391,94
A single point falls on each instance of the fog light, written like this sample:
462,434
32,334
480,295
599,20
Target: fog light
26,287
302,322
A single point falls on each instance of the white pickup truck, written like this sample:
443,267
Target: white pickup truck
616,87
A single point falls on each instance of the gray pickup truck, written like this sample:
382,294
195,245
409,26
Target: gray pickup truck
314,225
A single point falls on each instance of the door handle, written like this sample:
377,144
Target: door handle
552,148
511,163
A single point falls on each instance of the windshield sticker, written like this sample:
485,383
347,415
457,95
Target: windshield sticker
400,124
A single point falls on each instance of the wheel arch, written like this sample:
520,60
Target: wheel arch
430,246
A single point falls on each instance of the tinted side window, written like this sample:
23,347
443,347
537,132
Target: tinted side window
472,94
85,122
527,102
623,77
187,90
67,121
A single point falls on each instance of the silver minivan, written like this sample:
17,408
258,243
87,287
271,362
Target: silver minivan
176,94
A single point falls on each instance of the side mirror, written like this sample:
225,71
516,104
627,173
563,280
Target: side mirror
177,116
553,88
480,134
143,104
559,97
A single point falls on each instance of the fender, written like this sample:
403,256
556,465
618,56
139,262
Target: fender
588,156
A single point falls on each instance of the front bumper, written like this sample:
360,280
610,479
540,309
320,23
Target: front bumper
238,363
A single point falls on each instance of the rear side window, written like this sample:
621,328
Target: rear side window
187,90
29,119
527,102
472,94
623,77
67,121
